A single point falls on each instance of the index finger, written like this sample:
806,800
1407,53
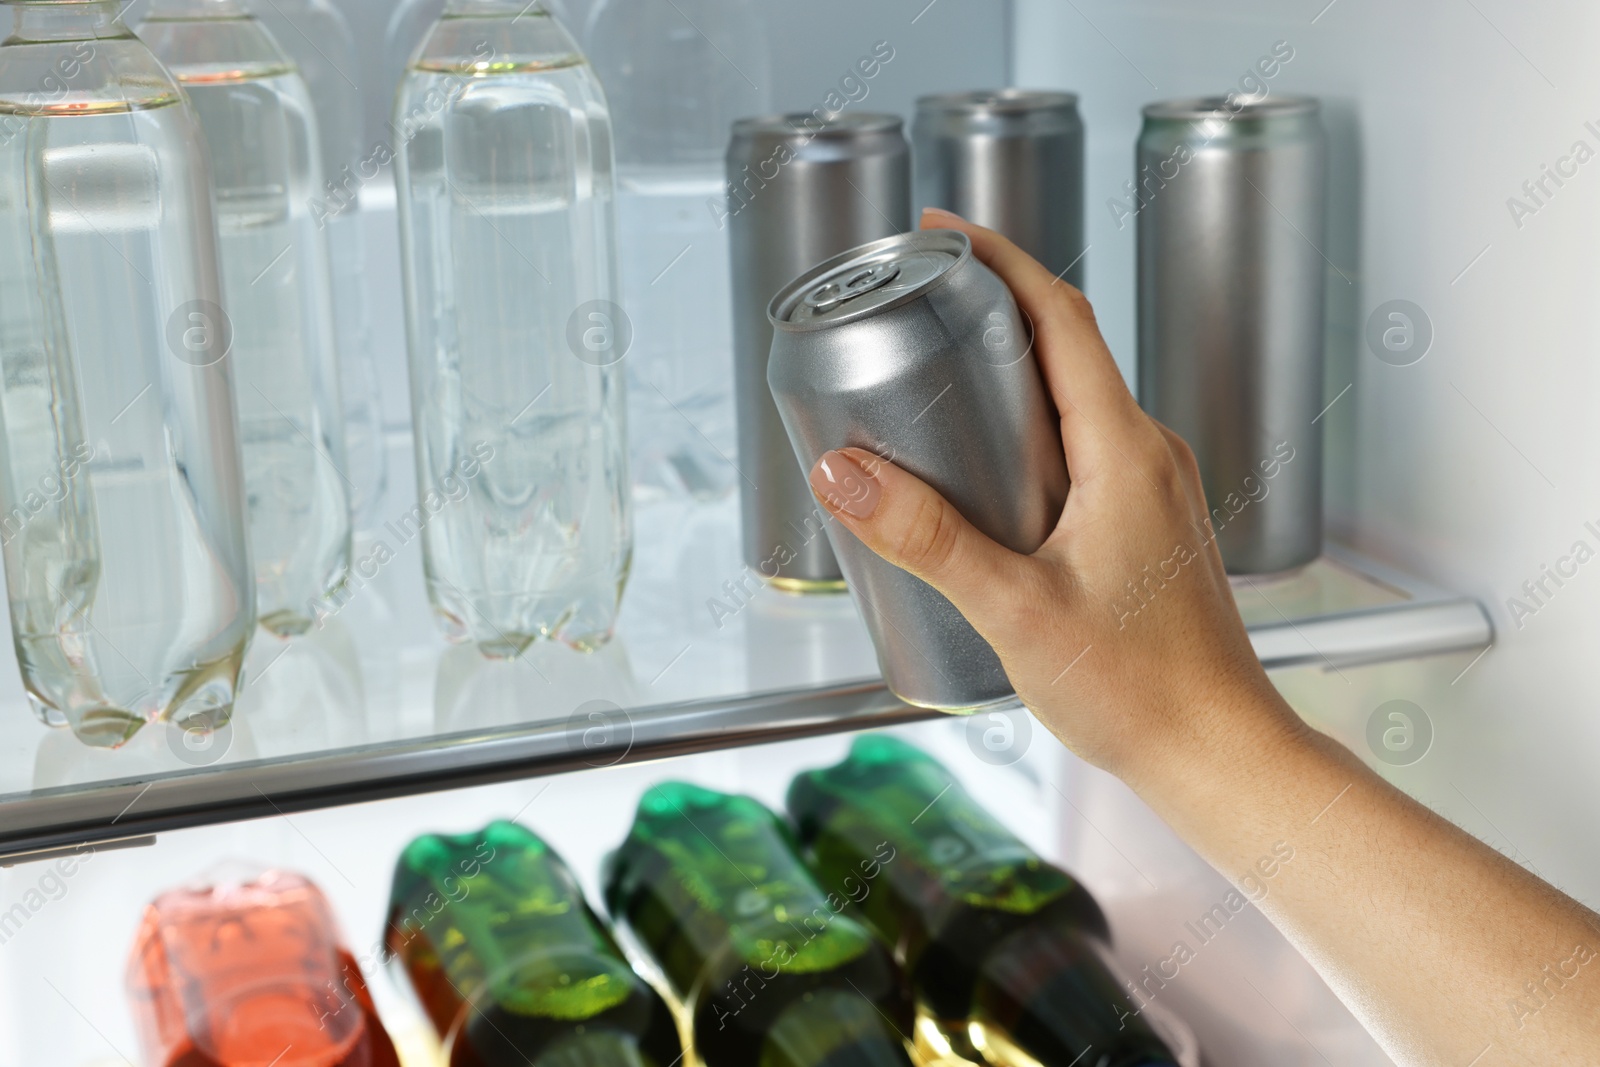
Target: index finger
1078,369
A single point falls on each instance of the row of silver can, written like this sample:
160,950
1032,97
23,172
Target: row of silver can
909,348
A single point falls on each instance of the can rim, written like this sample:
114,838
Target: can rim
795,124
1233,107
953,242
1009,101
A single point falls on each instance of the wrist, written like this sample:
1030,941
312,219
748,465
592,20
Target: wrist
1220,746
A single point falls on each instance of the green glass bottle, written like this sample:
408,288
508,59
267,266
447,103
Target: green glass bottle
511,965
1001,947
769,971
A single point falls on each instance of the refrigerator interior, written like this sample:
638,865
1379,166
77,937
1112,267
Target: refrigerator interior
1251,999
1467,467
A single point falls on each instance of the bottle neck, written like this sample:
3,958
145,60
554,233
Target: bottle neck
94,19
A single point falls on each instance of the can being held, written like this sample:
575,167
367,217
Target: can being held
1011,160
800,189
1231,209
912,349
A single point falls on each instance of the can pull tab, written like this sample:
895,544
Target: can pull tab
830,295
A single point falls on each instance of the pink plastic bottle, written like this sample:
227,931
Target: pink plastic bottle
249,971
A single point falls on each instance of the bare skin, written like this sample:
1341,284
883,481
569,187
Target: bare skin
1448,952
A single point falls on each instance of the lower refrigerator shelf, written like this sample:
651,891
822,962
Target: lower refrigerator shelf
375,704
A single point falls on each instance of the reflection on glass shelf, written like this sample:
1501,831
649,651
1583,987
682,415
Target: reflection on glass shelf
695,626
1326,587
1342,611
375,702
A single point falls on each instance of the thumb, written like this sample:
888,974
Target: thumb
902,519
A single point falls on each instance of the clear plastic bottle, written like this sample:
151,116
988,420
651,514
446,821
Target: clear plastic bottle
123,519
410,23
509,255
316,36
677,75
265,170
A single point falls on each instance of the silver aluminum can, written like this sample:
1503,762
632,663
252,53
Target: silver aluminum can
1011,160
799,190
1231,198
913,349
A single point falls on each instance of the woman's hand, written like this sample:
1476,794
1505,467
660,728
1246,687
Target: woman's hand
1120,632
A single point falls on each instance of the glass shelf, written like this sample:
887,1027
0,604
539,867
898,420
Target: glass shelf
377,704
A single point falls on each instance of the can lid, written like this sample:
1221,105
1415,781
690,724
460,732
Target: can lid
869,279
1233,108
810,125
998,102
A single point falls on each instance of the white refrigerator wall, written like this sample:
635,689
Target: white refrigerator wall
1470,467
1476,466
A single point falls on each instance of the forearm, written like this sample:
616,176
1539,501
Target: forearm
1441,946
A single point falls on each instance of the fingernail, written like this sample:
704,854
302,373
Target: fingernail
936,213
844,485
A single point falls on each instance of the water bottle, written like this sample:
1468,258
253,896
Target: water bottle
515,338
265,154
410,23
315,35
121,503
677,75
